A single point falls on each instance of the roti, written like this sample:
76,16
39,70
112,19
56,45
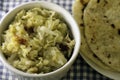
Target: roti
78,10
102,30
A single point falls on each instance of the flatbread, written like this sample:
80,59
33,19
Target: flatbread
102,31
78,9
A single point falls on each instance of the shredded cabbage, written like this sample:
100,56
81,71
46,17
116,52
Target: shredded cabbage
37,41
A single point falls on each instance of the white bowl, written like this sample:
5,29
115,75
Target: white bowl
55,75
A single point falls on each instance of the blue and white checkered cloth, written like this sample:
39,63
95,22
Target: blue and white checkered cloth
80,69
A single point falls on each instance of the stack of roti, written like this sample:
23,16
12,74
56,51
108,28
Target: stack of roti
99,22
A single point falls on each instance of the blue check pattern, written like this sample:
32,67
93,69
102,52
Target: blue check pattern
80,69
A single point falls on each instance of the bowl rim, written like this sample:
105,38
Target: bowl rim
76,48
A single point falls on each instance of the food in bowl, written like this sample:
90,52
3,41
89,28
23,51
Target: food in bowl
38,40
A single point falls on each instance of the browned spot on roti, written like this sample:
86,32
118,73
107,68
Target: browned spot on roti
105,16
95,56
112,37
106,2
97,48
98,1
119,31
112,25
109,62
108,56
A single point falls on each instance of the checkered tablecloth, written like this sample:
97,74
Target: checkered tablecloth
80,69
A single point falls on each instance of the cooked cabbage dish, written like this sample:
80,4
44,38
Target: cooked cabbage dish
37,41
